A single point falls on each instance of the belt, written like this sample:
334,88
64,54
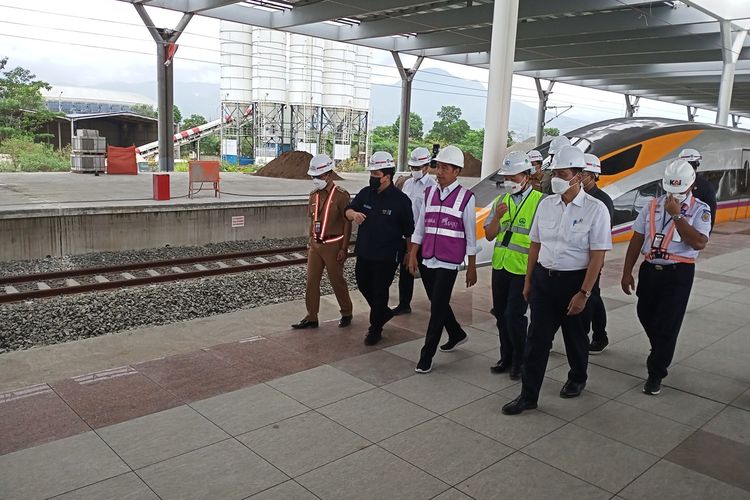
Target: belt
552,272
667,267
328,239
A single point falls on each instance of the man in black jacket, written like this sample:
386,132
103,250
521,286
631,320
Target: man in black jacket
598,314
702,189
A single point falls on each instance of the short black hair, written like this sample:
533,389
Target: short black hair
389,171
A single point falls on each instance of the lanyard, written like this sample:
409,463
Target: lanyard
666,220
518,208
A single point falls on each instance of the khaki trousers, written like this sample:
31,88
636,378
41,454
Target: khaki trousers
321,257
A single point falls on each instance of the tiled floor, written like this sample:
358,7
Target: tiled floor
281,414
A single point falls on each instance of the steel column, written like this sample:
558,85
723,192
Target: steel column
631,106
542,110
165,83
502,52
730,54
407,76
692,112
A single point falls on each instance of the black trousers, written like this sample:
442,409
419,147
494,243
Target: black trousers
439,286
550,296
662,301
374,278
406,283
597,319
510,313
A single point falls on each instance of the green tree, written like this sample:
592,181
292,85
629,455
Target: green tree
193,121
22,108
473,143
551,131
384,138
416,126
145,110
511,139
176,114
450,128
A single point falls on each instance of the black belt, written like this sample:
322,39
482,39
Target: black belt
667,267
552,272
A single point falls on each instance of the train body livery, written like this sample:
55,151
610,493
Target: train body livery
634,153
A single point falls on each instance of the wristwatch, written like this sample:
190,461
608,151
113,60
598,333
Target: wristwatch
585,293
677,217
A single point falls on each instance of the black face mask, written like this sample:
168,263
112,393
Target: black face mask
375,182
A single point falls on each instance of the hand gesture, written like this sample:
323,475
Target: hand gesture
671,205
627,283
500,210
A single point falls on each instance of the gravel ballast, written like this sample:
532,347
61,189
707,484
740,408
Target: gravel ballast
66,318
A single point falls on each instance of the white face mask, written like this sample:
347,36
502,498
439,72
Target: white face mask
559,186
417,174
512,187
319,184
679,196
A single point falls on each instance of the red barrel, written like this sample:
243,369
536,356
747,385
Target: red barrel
161,186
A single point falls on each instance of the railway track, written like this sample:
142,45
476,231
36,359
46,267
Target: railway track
35,286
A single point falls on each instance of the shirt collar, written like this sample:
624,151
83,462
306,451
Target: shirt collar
449,188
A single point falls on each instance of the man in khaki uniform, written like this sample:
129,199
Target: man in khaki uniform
329,233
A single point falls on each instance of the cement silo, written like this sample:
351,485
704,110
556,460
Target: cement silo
338,97
361,111
236,85
305,91
269,91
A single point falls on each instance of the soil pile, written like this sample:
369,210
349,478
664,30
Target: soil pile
290,165
472,166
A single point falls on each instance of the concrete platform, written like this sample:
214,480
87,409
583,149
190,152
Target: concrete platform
57,214
239,406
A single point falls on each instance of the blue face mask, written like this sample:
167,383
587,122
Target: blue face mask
375,182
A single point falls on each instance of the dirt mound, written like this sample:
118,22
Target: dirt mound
472,166
290,165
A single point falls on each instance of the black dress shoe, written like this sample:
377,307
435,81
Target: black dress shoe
401,310
305,323
500,367
345,321
515,373
517,406
373,338
572,389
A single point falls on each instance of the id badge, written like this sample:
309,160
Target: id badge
658,239
318,228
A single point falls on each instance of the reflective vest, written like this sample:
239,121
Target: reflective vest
651,254
517,221
320,226
444,235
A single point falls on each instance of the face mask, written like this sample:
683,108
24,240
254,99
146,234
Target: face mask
417,174
679,196
319,184
374,182
512,187
559,186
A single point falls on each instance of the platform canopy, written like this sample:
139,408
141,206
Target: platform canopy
667,50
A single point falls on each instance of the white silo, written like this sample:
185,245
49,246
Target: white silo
269,73
362,78
305,91
338,97
235,86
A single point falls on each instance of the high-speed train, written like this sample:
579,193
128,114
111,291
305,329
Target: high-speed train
634,153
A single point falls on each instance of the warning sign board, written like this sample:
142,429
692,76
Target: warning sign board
238,221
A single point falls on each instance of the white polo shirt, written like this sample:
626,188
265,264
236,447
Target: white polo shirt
567,232
414,189
469,218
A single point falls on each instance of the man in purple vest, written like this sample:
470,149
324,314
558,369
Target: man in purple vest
446,234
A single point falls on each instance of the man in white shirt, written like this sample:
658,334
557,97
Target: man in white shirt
446,235
569,237
414,188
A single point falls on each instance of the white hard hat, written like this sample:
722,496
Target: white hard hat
535,155
557,144
678,177
420,157
515,162
451,155
320,164
380,160
568,157
690,155
592,164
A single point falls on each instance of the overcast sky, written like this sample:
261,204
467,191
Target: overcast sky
89,42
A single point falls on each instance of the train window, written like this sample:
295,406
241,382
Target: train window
622,161
582,144
647,193
743,180
623,206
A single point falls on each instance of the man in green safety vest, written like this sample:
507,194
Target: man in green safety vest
509,224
